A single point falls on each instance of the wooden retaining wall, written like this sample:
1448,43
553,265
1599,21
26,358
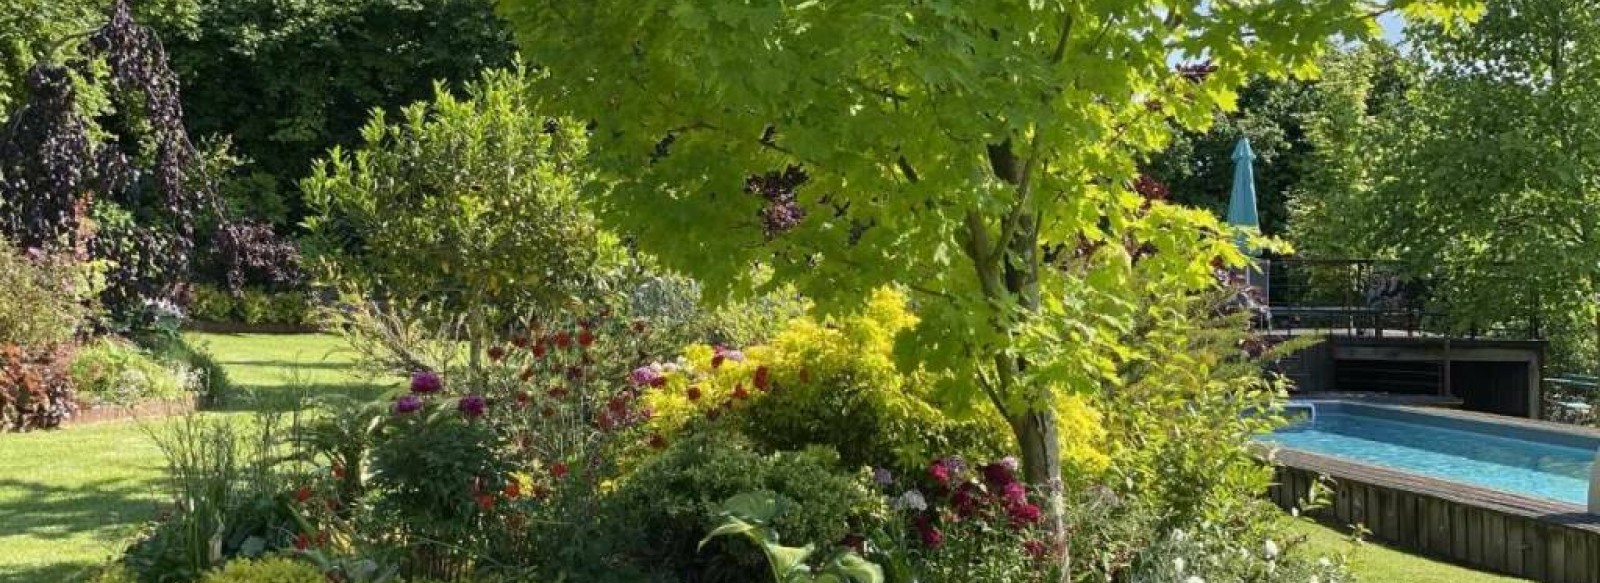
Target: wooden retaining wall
1538,539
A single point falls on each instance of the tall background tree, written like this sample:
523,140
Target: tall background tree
955,148
287,79
1479,169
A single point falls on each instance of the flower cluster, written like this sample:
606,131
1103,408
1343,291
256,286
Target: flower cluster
427,383
989,495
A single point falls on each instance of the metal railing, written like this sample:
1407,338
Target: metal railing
1366,297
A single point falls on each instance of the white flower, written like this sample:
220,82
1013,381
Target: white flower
1324,561
1194,579
911,500
1010,462
1178,535
1270,549
1178,564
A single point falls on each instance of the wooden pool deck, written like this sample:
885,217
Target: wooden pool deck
1543,540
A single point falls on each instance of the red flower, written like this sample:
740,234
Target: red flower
539,349
1036,549
522,398
558,470
1014,493
1023,514
563,340
739,392
585,338
302,542
520,341
485,501
496,353
928,533
763,379
998,475
964,501
338,471
940,473
557,392
302,494
638,326
716,361
513,489
693,394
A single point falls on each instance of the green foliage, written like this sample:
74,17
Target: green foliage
33,31
1478,170
204,373
273,570
747,515
118,372
827,382
287,79
943,145
221,478
470,202
429,469
660,511
1197,167
44,297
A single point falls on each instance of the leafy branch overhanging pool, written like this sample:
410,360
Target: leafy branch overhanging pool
1513,458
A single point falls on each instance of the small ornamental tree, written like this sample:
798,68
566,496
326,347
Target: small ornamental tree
955,148
471,203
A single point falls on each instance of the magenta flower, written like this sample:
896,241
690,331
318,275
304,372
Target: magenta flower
1024,514
940,472
407,404
930,535
1014,493
997,475
425,382
473,406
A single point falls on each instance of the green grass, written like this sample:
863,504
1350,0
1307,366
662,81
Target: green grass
1375,563
71,499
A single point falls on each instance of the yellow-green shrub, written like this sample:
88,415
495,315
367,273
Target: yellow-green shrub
272,570
830,382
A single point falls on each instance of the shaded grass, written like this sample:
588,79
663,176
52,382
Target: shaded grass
1376,563
71,499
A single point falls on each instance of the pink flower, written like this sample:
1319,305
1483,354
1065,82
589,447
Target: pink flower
646,376
558,470
1014,493
1036,548
425,382
940,472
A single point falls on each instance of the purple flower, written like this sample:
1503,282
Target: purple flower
407,404
646,376
882,476
473,406
425,382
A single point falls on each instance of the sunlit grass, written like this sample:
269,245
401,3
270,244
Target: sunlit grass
71,499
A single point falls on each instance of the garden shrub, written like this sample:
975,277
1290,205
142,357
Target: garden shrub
205,375
831,383
659,513
44,297
115,371
269,570
35,389
956,521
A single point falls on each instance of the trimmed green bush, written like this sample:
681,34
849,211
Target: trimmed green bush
272,570
111,370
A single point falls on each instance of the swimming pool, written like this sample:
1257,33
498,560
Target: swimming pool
1515,458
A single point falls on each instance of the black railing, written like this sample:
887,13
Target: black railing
1366,297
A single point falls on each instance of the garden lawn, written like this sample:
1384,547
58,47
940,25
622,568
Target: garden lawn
70,499
1374,563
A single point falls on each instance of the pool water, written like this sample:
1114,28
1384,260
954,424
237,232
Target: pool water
1523,461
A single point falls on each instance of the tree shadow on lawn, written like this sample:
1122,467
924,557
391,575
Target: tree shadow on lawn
260,398
44,516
